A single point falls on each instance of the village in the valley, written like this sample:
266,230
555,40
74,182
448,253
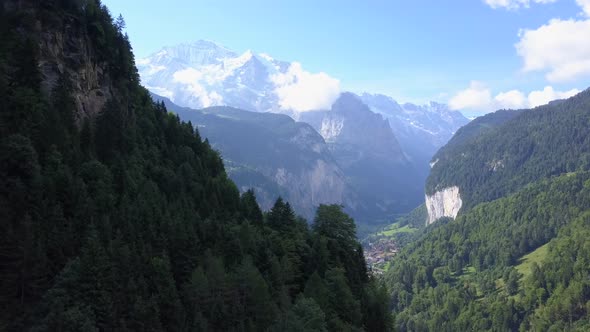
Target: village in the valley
379,253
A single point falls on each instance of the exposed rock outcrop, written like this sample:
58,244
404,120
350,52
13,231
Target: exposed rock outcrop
68,51
443,203
323,183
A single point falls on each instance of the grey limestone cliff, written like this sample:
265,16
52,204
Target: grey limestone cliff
443,203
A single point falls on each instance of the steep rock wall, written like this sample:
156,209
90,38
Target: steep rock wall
443,203
69,52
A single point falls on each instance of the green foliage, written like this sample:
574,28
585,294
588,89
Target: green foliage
415,219
459,275
305,316
516,257
522,148
127,220
529,260
394,229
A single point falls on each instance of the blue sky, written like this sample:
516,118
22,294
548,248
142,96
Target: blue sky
458,51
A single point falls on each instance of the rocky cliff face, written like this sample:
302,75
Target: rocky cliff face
68,51
350,124
443,203
322,183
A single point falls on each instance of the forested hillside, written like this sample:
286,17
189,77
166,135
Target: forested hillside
460,275
473,129
546,141
116,216
515,258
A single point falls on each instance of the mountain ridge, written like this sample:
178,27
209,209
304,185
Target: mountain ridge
487,164
272,154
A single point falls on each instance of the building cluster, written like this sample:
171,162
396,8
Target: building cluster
379,253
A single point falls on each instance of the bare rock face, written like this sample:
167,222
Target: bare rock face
322,183
443,203
69,52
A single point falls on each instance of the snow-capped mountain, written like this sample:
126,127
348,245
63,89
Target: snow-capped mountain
420,129
433,120
204,74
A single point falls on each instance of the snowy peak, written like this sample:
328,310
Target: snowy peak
204,73
199,53
421,129
382,104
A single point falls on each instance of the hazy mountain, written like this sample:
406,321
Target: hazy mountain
361,166
274,155
364,145
420,129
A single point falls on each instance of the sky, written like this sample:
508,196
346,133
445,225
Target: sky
475,55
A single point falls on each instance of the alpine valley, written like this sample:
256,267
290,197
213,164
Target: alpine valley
192,190
353,146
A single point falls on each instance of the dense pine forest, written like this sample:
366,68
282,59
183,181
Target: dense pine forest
125,219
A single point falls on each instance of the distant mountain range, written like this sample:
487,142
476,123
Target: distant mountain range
204,74
374,151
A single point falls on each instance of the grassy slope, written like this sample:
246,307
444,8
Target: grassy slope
536,256
395,228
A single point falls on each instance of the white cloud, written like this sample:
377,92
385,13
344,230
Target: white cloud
161,91
190,78
187,76
475,97
478,98
302,91
559,48
513,99
142,62
542,97
515,4
585,4
205,99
